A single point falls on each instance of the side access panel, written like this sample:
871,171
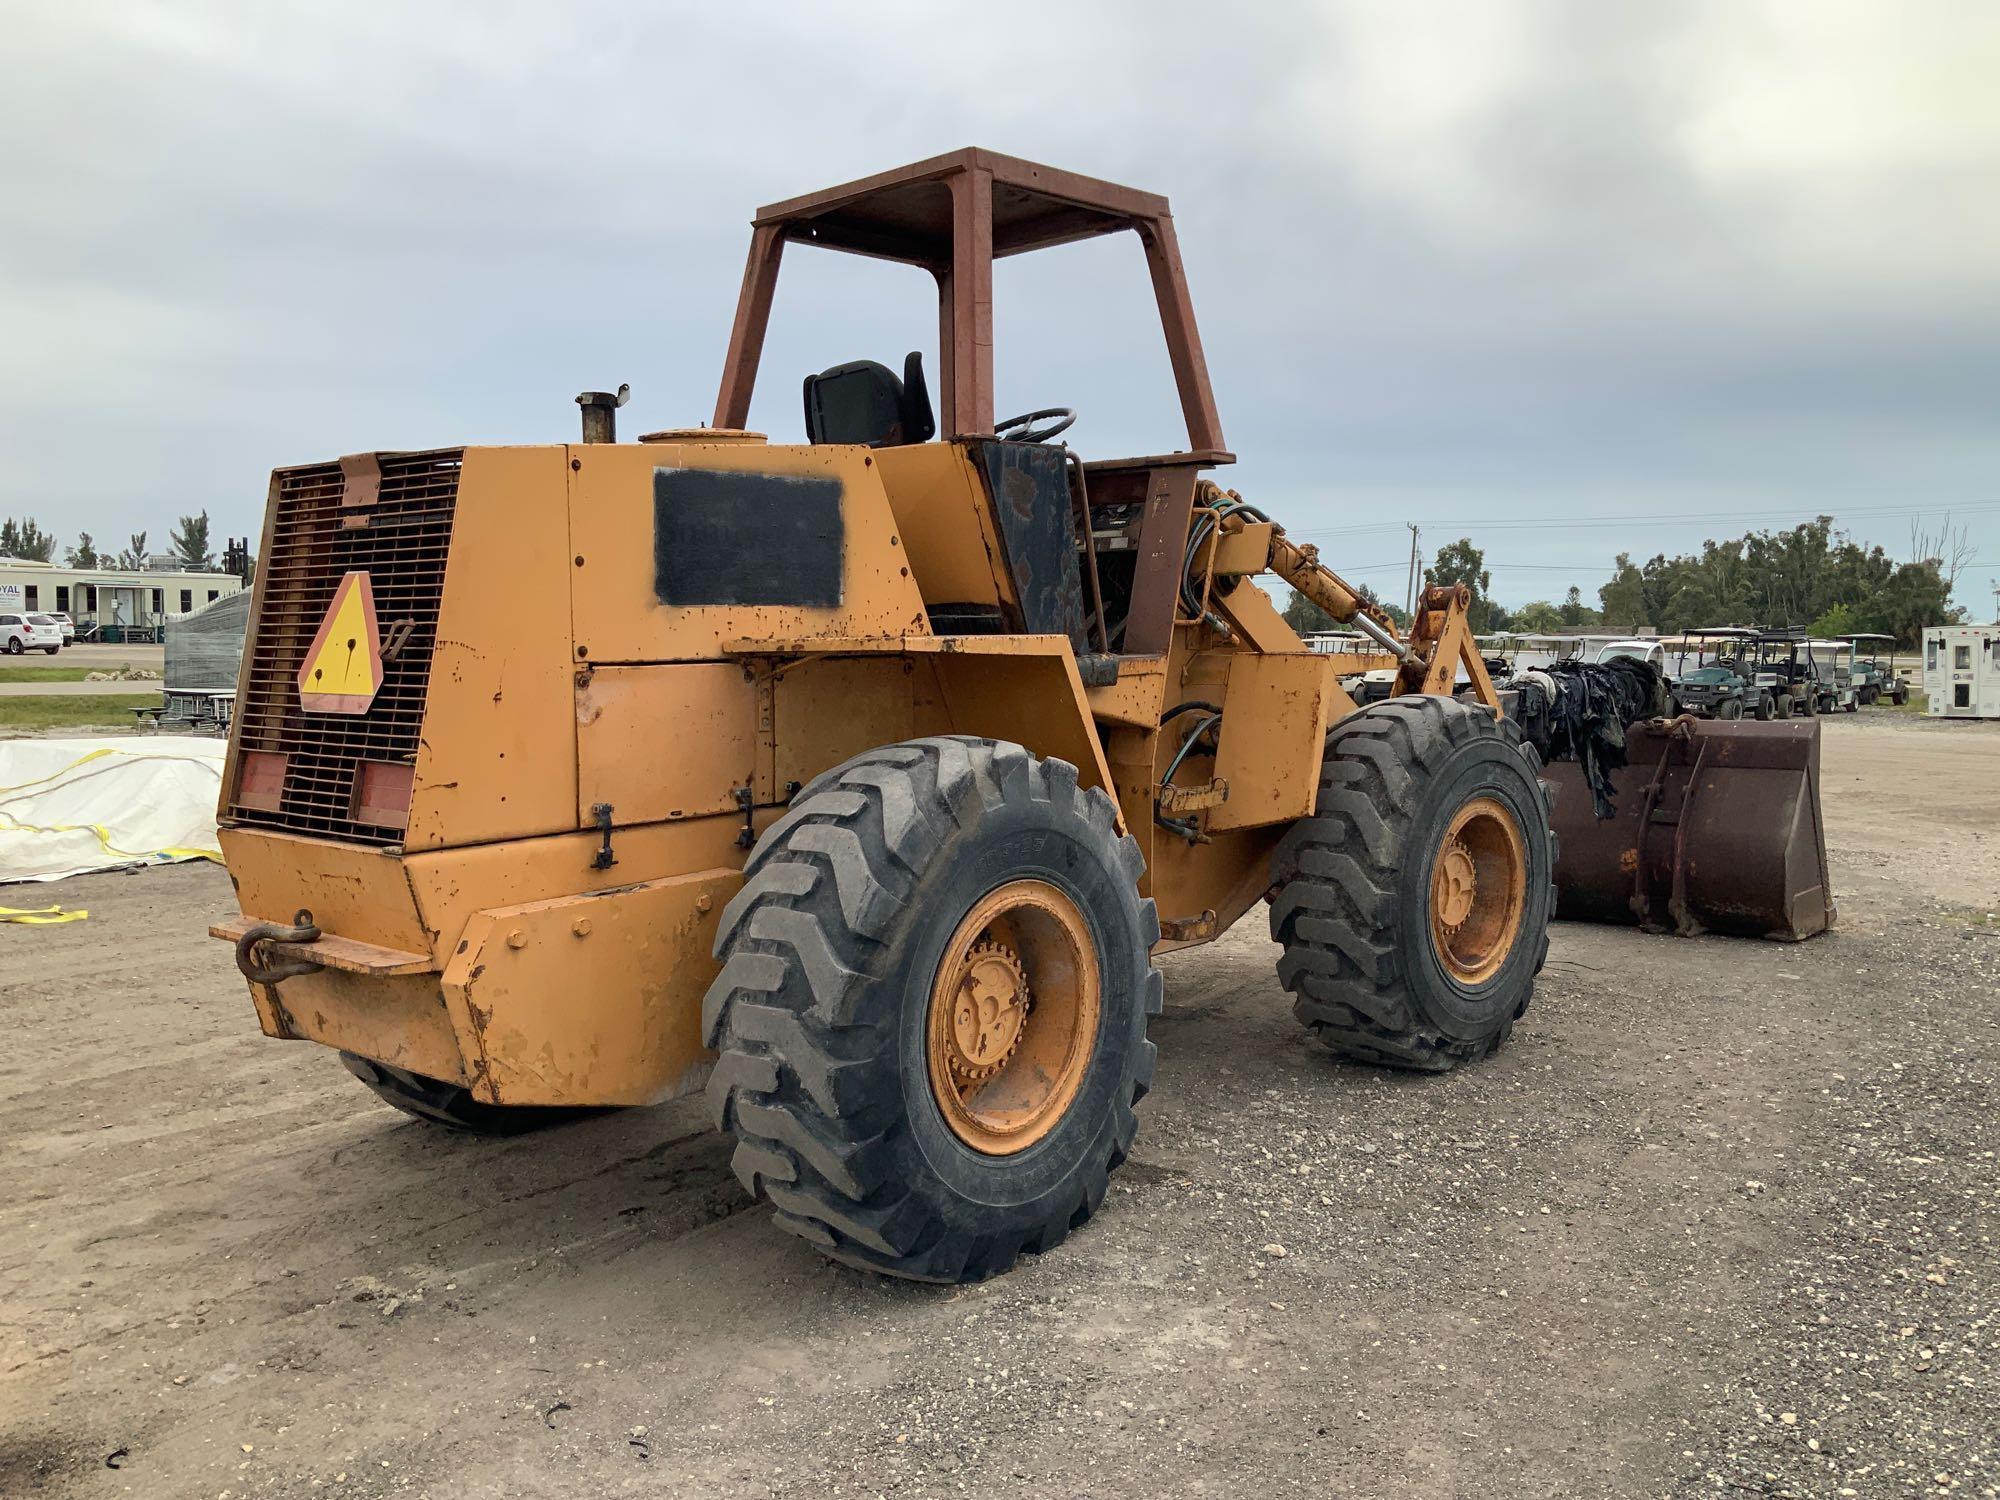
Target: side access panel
673,741
496,760
679,547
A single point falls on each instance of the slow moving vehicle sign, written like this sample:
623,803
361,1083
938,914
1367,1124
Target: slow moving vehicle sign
343,666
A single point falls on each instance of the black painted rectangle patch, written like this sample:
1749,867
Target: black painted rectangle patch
725,537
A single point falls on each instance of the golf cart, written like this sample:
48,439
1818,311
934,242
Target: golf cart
1720,683
1874,678
1833,676
1784,667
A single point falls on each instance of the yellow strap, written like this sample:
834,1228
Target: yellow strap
48,916
58,775
129,756
11,824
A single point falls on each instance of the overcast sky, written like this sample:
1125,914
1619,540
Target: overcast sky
1569,278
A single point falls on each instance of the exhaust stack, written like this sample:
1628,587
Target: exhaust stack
600,413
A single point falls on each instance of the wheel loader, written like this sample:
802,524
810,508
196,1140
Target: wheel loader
859,781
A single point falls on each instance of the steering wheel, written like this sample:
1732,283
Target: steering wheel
1029,433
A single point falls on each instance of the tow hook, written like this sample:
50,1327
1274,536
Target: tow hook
256,970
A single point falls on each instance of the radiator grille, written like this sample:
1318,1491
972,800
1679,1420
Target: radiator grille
402,548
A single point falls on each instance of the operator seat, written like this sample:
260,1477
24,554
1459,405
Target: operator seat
864,402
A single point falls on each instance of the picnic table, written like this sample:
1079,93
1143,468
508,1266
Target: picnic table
207,708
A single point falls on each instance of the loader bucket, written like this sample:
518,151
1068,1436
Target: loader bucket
1717,829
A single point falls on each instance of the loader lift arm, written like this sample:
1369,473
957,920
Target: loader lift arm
1440,639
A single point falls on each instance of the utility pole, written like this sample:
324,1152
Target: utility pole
1410,593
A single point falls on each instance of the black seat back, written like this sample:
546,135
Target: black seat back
863,402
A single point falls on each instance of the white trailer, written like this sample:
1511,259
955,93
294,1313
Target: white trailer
1962,671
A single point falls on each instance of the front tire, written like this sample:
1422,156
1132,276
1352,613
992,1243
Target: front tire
1732,708
1394,952
931,1014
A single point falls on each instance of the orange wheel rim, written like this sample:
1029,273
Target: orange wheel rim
1013,1017
1479,890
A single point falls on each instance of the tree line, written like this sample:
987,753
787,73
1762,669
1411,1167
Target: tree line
189,544
1810,575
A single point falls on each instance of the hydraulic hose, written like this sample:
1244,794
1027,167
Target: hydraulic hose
1185,827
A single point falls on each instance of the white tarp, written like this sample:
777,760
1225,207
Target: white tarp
68,806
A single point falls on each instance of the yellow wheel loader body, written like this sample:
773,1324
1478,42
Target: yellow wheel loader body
866,774
449,842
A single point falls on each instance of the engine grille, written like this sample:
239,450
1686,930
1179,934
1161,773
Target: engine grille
402,548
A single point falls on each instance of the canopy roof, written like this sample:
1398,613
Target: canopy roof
905,214
954,215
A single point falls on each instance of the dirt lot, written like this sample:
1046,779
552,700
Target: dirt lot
1721,1218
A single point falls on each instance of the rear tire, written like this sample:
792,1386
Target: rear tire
451,1104
856,915
1374,975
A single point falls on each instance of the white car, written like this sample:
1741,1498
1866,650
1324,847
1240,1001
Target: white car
1638,650
20,633
68,626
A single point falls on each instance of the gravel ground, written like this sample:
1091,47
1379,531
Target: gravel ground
1720,1219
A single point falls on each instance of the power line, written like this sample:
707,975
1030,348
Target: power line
1569,523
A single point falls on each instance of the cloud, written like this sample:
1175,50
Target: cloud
1454,264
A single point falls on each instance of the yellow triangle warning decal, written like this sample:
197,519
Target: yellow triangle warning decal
343,667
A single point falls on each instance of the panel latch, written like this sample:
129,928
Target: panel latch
605,859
